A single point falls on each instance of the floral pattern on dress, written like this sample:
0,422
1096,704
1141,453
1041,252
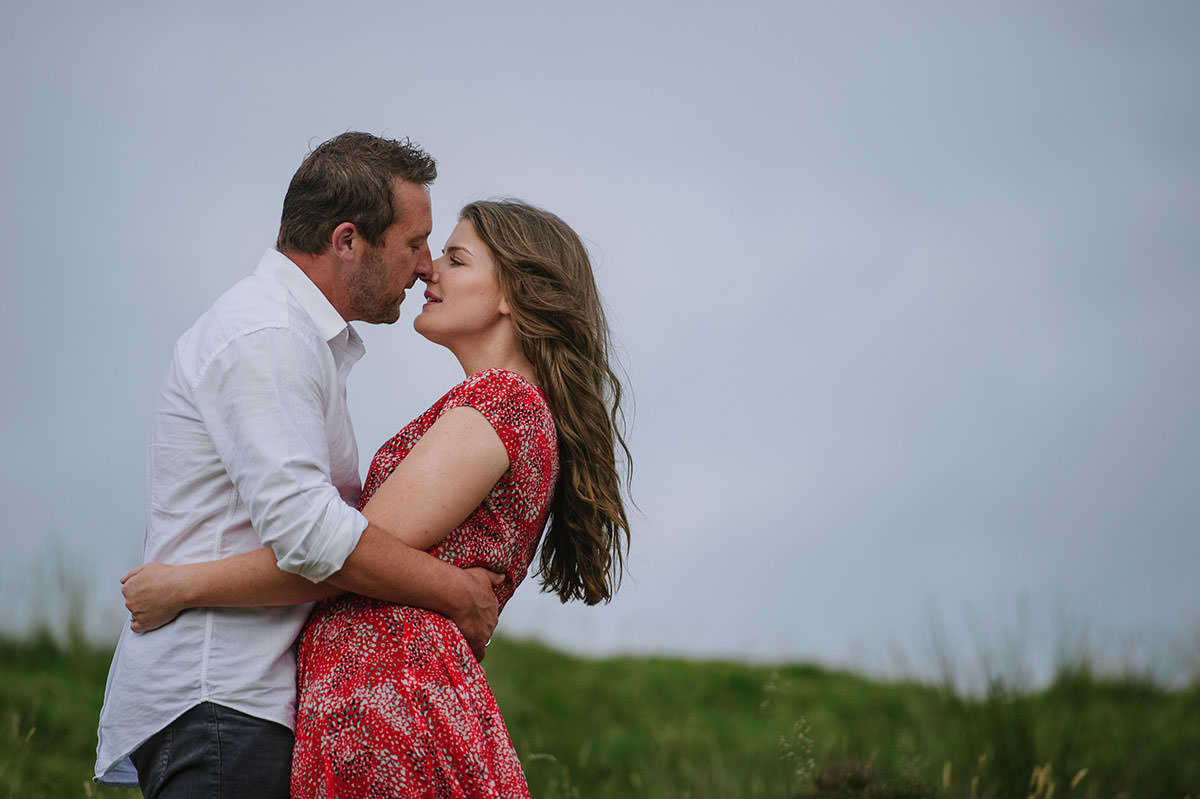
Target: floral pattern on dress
391,702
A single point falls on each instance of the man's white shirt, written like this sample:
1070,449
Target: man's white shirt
251,445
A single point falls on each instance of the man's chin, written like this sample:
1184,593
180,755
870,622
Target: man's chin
384,315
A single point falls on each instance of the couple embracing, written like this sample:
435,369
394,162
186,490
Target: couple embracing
255,509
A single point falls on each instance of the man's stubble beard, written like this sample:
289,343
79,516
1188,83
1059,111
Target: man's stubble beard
367,289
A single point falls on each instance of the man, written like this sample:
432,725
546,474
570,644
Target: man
252,446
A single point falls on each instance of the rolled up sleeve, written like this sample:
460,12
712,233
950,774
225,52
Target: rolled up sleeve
264,400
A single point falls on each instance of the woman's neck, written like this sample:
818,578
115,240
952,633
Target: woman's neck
476,359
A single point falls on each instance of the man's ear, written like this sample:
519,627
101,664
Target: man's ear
344,242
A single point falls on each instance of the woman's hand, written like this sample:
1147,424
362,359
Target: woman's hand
154,595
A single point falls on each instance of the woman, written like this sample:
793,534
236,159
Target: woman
391,701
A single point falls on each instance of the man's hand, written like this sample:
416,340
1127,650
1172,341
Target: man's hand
479,611
152,596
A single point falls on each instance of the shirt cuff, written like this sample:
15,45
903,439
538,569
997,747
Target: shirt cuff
342,527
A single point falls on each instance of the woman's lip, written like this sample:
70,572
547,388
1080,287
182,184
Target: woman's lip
431,298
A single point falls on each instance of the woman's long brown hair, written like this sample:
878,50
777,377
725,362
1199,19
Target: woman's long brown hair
544,271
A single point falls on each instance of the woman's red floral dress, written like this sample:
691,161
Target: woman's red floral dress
391,701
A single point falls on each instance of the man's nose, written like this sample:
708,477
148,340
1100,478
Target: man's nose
424,268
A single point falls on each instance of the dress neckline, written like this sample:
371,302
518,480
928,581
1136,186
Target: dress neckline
502,370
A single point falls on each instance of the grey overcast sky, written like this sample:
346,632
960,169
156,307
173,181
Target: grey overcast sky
908,294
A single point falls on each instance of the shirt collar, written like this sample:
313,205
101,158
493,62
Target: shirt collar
330,324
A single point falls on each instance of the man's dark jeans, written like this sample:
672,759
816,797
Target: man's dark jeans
215,752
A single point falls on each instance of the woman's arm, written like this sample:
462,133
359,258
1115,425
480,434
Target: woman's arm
445,477
442,480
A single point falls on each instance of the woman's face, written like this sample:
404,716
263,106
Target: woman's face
463,301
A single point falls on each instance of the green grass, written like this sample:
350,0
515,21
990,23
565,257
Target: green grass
661,727
50,695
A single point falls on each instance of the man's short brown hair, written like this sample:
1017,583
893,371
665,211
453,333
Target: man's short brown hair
348,179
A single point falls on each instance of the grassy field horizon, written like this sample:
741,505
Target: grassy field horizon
673,727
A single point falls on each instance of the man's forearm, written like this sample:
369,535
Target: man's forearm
384,567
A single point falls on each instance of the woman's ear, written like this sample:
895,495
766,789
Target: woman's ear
504,309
